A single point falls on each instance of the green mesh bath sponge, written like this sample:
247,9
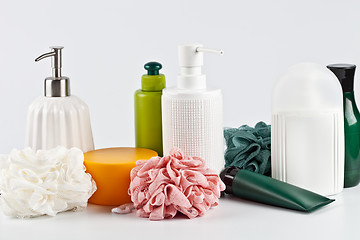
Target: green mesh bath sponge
249,148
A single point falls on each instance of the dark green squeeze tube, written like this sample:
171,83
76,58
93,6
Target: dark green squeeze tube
256,187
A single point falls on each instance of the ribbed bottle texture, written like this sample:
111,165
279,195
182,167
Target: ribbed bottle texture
317,164
58,121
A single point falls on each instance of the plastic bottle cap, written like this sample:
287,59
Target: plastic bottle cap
227,175
345,73
153,80
153,68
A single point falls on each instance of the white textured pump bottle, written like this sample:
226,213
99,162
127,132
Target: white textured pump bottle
58,119
192,113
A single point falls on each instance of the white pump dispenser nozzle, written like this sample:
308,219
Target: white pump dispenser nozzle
191,59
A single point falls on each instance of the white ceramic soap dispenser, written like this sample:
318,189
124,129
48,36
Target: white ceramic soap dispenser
192,112
58,118
307,129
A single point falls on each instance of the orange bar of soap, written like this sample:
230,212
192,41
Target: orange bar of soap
110,168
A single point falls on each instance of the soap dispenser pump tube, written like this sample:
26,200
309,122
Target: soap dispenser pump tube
56,62
192,112
58,119
57,85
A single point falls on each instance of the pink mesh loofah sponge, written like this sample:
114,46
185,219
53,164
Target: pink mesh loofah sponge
162,186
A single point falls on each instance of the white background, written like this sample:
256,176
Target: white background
106,45
108,42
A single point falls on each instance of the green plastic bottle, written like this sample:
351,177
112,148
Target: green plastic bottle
148,124
345,74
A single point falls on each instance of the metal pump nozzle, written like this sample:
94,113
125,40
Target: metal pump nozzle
57,85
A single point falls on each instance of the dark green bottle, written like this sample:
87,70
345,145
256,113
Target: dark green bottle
345,73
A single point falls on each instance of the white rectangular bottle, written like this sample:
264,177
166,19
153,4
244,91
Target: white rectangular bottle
307,132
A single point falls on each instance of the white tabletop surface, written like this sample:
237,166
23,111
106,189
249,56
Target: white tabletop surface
233,218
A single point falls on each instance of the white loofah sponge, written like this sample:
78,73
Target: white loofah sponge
44,182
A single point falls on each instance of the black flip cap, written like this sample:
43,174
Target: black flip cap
227,176
345,73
